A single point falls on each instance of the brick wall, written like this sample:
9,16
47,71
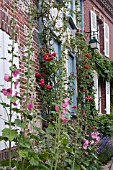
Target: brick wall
103,16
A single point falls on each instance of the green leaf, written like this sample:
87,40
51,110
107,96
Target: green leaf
19,123
23,153
9,133
34,161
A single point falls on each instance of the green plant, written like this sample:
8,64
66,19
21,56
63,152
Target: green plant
105,124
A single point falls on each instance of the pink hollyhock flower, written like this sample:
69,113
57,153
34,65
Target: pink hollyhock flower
88,56
32,97
94,135
42,82
48,86
30,106
14,103
16,84
65,111
84,114
7,92
57,108
64,120
54,54
86,66
16,72
37,75
92,142
15,95
86,153
6,77
74,107
66,103
86,143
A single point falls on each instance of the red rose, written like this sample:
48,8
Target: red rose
88,56
92,127
48,57
74,107
54,54
48,86
42,82
86,66
38,75
84,114
89,98
84,90
87,76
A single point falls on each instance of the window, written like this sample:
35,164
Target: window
4,65
106,40
107,97
72,73
95,28
57,48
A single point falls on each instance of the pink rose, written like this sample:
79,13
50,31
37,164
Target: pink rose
57,108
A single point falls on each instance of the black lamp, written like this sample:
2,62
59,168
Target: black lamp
94,44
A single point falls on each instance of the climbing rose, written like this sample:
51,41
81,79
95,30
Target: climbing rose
6,77
88,56
57,108
74,107
16,72
84,90
84,114
30,106
7,92
48,57
37,75
54,54
42,82
88,98
86,66
48,86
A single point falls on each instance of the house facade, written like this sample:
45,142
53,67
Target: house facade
98,20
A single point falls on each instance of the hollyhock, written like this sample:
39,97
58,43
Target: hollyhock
74,107
66,103
6,77
64,120
37,75
14,103
57,108
48,57
7,92
88,56
86,153
86,66
16,84
86,143
48,86
30,106
42,82
16,72
95,135
65,111
15,95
